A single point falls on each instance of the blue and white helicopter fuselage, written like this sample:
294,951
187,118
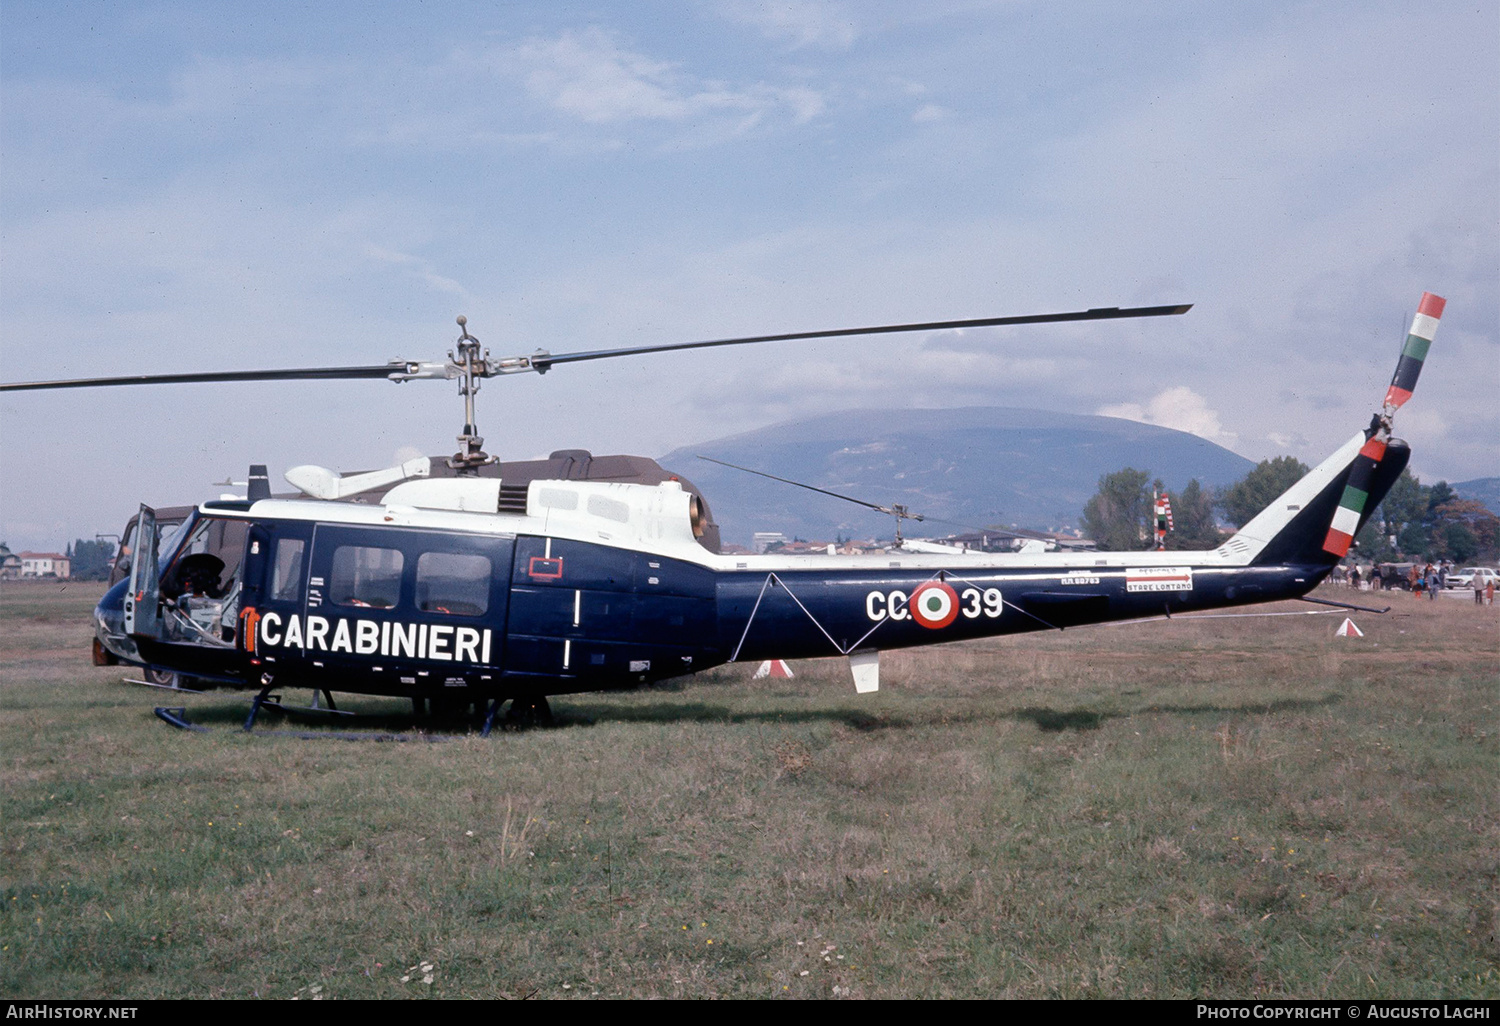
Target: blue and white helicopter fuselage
435,593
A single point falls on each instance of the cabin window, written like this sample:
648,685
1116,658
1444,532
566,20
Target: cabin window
557,498
609,509
286,576
364,575
454,583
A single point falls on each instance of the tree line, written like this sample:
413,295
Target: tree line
1418,521
90,560
1414,522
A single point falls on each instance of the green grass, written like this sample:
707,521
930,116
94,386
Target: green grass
1225,808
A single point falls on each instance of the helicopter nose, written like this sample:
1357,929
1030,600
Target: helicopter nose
109,620
113,602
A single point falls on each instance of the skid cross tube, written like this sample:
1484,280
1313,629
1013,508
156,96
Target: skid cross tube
489,718
255,705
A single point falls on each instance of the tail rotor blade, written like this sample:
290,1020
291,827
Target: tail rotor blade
1414,353
1351,510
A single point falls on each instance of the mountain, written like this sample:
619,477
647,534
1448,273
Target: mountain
1481,489
972,467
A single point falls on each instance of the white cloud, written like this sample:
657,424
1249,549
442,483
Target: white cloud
798,22
1179,408
589,75
421,269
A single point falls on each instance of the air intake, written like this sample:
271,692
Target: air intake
513,498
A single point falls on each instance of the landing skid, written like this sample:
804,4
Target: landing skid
177,717
272,702
522,714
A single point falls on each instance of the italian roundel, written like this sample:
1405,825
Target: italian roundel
934,605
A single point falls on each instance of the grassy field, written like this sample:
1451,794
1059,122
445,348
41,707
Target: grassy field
1226,807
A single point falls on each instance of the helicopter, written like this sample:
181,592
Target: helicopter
456,584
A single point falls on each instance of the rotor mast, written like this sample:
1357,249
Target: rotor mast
471,367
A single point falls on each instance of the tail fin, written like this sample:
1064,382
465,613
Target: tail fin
1292,530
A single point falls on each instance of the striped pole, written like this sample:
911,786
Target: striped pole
1357,491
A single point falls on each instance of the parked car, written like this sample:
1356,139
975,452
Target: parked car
1465,578
1395,575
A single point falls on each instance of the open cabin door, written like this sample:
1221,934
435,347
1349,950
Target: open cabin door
142,601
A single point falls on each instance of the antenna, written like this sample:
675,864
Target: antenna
895,509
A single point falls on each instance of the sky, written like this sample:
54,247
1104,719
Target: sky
190,186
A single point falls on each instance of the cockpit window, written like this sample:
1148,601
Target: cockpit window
207,560
286,576
364,575
168,536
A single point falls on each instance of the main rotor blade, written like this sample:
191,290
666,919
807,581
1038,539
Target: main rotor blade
310,373
543,361
903,514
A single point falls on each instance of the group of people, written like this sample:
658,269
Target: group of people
1420,580
1428,581
1368,578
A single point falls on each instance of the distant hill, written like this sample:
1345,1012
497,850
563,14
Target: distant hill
972,467
1481,489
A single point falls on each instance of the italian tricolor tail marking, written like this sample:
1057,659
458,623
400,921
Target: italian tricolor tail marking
1346,517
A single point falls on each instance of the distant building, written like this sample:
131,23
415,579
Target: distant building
803,548
999,539
45,564
765,539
